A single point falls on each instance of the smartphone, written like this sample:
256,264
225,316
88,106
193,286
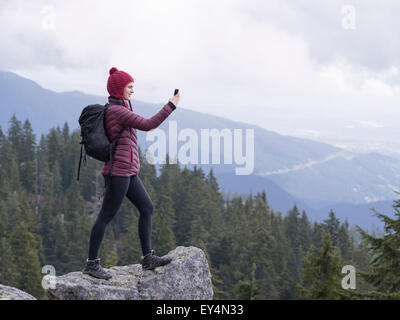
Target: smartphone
176,92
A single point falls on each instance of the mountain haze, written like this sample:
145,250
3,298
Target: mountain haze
313,175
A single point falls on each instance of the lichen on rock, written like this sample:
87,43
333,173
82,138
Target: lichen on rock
11,293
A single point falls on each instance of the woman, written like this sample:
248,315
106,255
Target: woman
125,180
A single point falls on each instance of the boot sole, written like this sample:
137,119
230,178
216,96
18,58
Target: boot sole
94,276
147,268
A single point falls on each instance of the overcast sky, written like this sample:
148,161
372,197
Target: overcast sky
243,60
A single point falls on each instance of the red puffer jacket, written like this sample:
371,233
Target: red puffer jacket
126,156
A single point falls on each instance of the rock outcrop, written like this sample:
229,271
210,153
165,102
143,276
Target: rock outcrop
11,293
187,277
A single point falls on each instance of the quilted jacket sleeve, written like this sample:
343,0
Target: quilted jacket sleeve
130,119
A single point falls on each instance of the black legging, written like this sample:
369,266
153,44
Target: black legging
133,188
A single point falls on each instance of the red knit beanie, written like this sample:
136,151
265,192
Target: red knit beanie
117,81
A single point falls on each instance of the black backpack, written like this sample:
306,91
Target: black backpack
94,137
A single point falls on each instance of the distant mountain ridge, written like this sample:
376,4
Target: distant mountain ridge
293,170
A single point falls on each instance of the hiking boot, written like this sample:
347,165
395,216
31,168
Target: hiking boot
151,261
94,269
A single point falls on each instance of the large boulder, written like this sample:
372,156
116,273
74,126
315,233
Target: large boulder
10,293
187,277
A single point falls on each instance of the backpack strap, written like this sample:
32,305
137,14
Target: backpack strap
80,160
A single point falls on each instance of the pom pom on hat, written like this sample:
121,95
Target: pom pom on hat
112,70
117,81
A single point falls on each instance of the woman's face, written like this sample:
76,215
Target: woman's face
128,91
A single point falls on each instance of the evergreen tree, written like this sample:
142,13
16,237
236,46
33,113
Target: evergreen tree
332,225
251,243
77,226
65,133
345,243
292,232
213,219
361,258
194,204
25,210
3,192
384,273
60,247
322,273
108,251
26,260
316,235
78,244
234,246
9,170
215,280
163,237
54,146
8,276
247,290
148,169
49,214
69,161
169,177
91,182
261,245
3,219
27,158
43,177
129,249
280,256
16,137
304,232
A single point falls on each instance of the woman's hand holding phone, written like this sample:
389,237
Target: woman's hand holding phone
175,98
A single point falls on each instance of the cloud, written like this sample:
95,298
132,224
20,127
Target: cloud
370,124
372,44
244,60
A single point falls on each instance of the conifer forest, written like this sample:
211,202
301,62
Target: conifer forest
253,251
